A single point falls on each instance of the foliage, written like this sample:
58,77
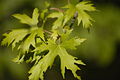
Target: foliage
45,45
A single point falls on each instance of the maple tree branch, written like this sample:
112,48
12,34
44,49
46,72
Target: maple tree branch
57,9
47,32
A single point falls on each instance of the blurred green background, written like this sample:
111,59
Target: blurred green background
100,53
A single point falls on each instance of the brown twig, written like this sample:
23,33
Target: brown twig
48,32
57,9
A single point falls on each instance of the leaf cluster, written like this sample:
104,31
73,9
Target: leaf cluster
44,49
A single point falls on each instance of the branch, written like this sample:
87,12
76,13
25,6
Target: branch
57,9
48,32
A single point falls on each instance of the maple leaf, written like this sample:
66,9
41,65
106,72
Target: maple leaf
68,61
30,40
27,20
81,9
25,37
37,71
59,21
57,44
14,37
18,36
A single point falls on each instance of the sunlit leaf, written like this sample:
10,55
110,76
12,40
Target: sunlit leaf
81,9
67,61
28,20
59,21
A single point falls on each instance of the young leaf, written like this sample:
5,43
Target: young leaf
56,44
81,9
42,15
30,40
69,13
35,17
68,61
14,37
59,21
37,71
19,59
27,20
25,37
70,44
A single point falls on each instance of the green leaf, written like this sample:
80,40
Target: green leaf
37,71
72,43
24,37
69,13
85,6
14,37
68,61
27,20
85,19
35,16
19,59
82,15
30,40
40,33
59,21
81,9
42,15
40,48
17,35
47,4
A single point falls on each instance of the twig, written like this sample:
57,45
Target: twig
48,32
57,9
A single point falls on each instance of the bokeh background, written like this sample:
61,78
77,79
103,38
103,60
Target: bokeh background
100,53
